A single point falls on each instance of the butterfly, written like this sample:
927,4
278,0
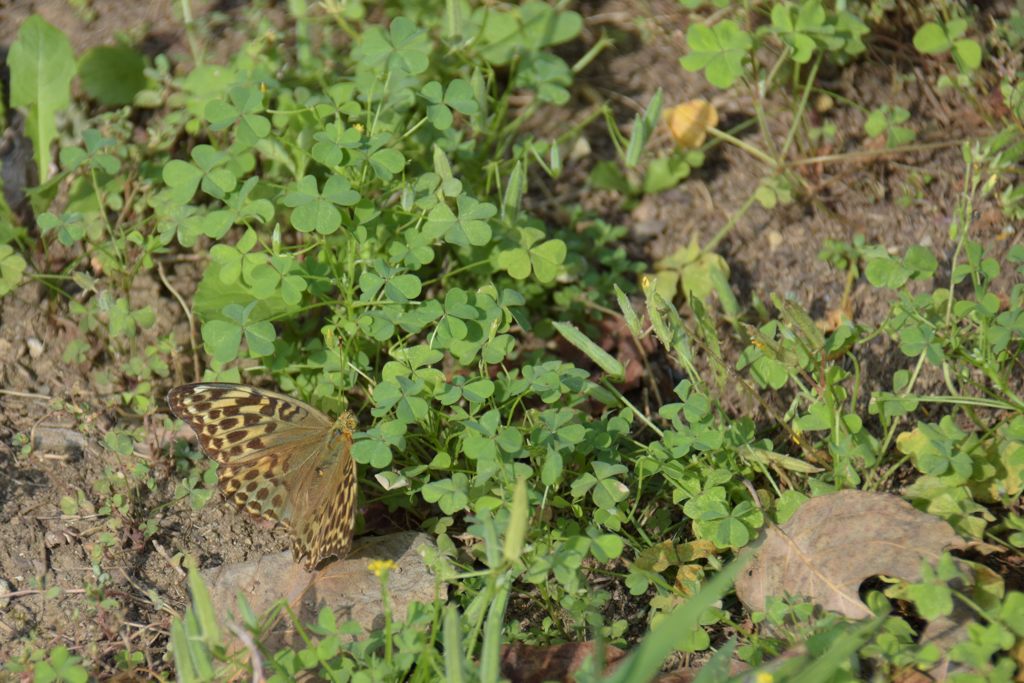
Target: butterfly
280,459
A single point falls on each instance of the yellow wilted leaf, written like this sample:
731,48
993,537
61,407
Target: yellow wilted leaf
689,122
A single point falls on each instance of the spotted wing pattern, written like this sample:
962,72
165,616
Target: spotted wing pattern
280,459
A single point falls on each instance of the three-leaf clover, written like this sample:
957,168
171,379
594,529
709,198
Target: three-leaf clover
183,177
240,111
469,227
94,154
796,26
316,210
718,50
282,275
458,96
404,47
535,254
223,338
933,38
236,260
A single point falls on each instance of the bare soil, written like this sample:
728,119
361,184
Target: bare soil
896,201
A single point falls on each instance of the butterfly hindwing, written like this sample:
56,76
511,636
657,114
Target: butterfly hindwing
330,526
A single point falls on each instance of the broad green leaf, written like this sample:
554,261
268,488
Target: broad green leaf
41,64
112,74
12,266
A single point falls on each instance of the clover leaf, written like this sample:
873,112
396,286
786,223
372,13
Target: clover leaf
183,178
12,266
315,210
223,337
404,47
719,51
543,258
470,227
240,111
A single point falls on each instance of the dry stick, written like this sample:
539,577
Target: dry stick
36,591
188,315
35,425
23,394
254,652
163,553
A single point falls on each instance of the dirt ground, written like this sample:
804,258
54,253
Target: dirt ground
893,201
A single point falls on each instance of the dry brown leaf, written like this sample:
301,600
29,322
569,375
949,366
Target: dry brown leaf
690,122
522,663
834,542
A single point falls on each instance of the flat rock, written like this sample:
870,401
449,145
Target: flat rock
347,586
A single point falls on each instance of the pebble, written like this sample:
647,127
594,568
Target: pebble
35,347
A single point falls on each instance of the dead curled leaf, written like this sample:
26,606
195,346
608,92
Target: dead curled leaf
690,121
522,663
834,542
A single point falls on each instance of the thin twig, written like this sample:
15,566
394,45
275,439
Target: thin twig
254,652
188,315
37,591
24,394
163,553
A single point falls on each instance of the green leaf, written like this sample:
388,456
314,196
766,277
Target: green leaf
594,352
606,547
183,178
454,657
62,666
112,74
664,173
12,266
451,495
921,261
544,259
315,210
644,126
372,452
515,534
239,111
547,259
478,391
223,337
647,658
405,47
41,64
967,54
797,26
931,39
719,51
470,227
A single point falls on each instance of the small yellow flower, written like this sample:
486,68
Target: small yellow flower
764,677
796,435
379,567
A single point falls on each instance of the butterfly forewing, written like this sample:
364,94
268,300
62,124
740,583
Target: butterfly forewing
280,458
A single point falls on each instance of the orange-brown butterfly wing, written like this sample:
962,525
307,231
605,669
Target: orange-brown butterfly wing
279,458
